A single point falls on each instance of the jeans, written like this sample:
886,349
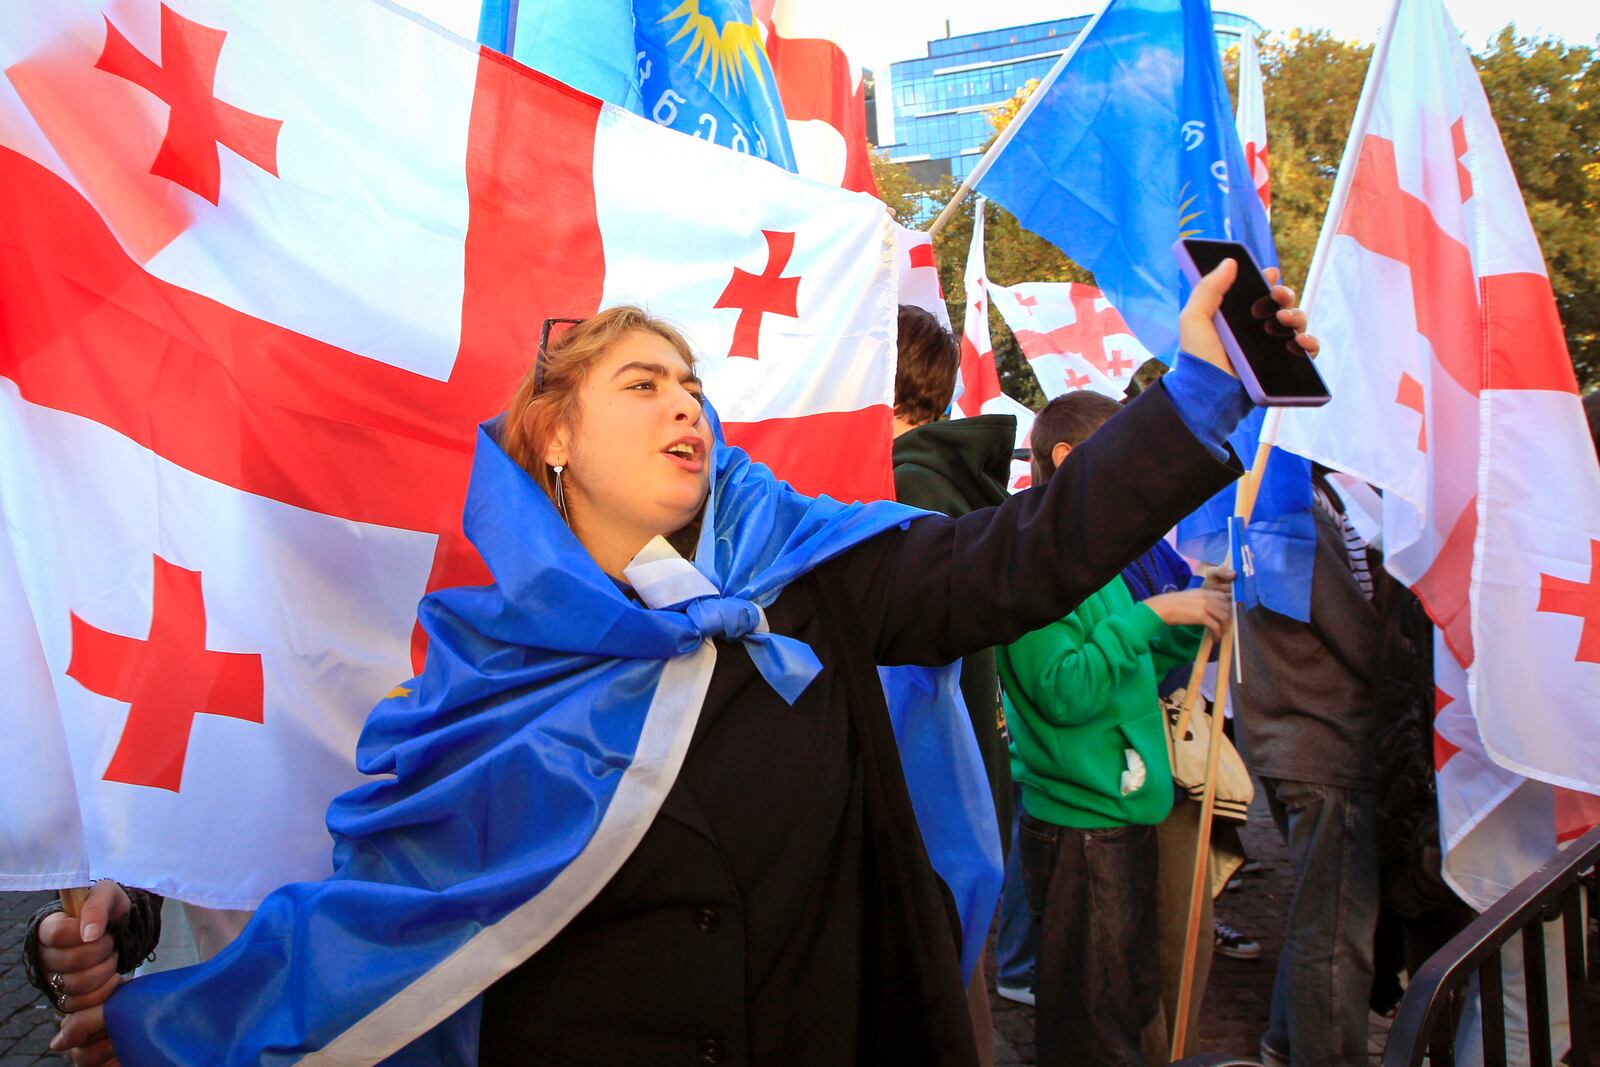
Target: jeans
1016,944
1319,998
1098,980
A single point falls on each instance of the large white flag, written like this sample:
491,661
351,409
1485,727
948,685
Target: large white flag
1454,394
253,310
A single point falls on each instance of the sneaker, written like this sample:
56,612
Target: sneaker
1024,995
1250,866
1230,942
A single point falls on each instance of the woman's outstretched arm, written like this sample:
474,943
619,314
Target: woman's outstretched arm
945,587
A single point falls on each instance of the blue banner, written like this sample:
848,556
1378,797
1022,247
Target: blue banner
1133,146
704,71
697,66
1242,558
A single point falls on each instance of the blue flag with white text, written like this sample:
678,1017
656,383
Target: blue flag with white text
1132,146
698,66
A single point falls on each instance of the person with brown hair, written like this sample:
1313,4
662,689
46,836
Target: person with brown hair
755,887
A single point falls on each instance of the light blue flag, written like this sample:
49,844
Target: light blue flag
698,66
1217,200
516,774
590,46
1132,146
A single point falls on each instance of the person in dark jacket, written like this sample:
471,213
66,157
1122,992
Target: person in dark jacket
780,907
1307,716
955,466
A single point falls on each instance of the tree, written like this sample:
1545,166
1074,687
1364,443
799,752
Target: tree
897,188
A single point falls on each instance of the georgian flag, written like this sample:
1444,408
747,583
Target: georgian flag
978,381
1251,118
1072,336
821,85
265,269
918,273
1454,394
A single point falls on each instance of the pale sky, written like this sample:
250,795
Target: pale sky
892,30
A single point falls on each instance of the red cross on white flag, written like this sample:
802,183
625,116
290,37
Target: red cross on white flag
254,309
1251,119
1454,394
1073,337
919,273
823,92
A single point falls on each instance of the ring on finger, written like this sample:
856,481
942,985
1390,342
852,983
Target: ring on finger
58,982
60,999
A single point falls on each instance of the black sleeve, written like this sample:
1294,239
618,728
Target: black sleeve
135,935
942,587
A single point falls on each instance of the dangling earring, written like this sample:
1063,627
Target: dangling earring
561,497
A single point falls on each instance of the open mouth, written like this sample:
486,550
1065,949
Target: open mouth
687,451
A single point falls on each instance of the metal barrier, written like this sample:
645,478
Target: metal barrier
1425,1024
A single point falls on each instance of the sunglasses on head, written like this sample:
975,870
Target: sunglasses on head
544,343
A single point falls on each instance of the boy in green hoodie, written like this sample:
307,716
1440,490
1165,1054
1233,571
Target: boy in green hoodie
1089,750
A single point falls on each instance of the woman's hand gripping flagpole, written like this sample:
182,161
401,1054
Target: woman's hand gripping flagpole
1199,338
78,951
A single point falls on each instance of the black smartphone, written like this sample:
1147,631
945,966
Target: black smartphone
1276,371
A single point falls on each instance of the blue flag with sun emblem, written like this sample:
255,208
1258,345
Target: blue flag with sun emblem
703,70
698,66
1132,146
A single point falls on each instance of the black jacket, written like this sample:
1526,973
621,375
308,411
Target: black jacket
956,467
782,909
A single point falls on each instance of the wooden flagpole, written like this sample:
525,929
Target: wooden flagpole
1202,860
1244,504
72,900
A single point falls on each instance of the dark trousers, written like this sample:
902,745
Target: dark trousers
1320,996
1098,981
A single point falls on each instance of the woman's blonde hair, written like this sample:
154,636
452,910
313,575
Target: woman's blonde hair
547,400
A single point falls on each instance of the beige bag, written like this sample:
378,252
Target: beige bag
1235,790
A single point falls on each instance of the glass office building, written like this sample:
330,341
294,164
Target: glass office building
932,111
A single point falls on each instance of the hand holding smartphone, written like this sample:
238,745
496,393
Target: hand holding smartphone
1274,370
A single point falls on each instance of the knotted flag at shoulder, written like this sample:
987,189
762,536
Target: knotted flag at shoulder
590,710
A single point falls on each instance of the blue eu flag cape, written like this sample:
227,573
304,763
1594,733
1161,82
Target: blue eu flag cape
1132,146
518,771
698,66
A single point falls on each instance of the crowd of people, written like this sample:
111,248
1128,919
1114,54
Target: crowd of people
776,905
